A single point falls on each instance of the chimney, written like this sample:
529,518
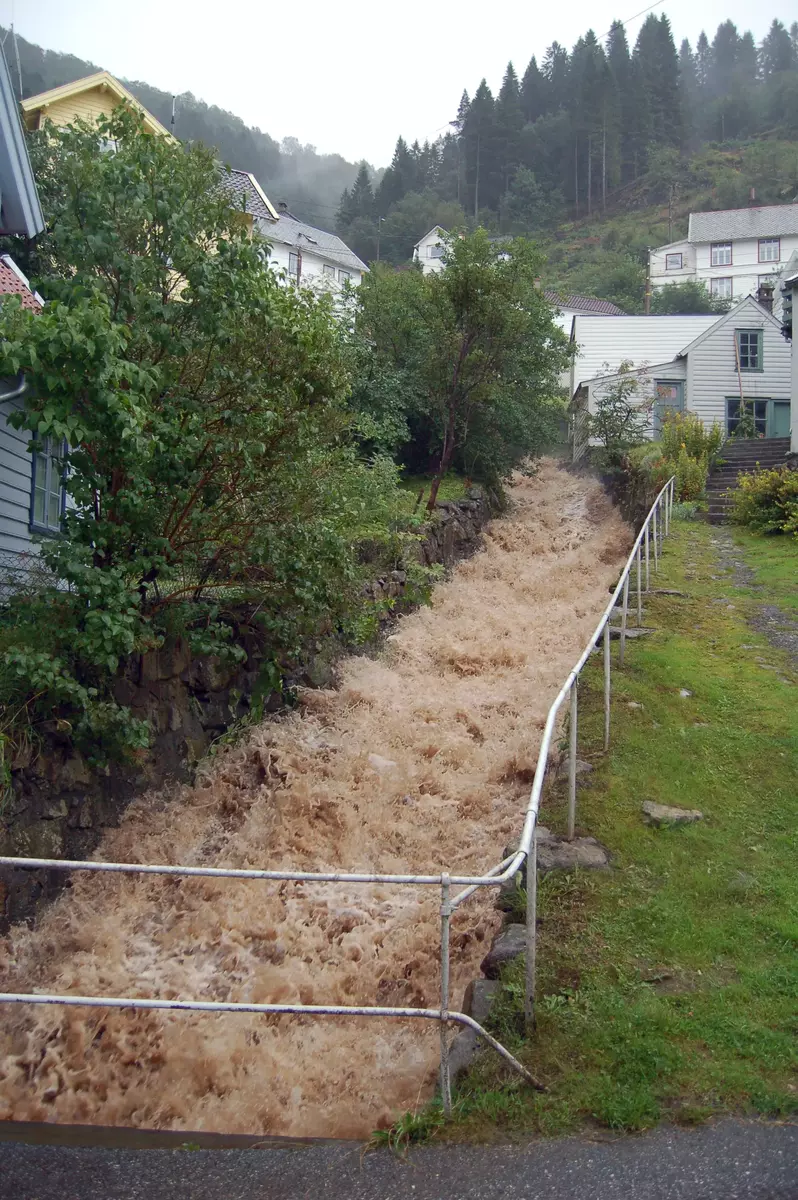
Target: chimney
764,296
282,206
752,196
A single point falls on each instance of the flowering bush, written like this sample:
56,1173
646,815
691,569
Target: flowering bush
767,501
686,432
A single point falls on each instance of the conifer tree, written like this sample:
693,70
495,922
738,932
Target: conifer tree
533,87
509,123
777,51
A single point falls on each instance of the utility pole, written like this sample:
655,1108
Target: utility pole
670,213
647,303
379,227
590,174
16,53
576,175
172,122
604,160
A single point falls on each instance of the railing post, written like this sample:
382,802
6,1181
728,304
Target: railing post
656,541
667,508
572,762
639,591
446,913
531,930
648,561
607,686
624,617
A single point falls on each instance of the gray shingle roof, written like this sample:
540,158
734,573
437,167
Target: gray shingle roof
295,233
240,186
775,220
585,304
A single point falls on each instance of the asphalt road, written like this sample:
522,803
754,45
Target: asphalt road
732,1160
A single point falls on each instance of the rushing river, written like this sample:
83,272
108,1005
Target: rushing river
420,760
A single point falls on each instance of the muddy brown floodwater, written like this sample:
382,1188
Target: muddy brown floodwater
419,761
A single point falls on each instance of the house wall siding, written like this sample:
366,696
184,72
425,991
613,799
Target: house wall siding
649,377
87,106
712,367
639,340
15,488
312,264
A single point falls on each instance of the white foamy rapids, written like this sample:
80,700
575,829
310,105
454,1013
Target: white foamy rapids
420,761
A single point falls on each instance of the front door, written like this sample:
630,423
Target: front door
668,397
780,425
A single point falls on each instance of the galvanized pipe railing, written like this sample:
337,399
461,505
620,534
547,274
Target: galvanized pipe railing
655,527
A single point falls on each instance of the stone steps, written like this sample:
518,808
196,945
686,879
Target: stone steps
747,456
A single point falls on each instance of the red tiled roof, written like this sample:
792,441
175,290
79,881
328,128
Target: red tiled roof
12,284
585,304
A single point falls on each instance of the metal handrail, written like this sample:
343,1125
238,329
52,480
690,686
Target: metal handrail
651,535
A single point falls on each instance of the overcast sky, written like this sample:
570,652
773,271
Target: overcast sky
346,77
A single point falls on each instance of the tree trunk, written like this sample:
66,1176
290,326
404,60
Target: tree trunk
590,174
446,458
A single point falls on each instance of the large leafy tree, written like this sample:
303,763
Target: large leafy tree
202,401
475,351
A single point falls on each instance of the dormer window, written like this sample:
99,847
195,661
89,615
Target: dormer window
721,254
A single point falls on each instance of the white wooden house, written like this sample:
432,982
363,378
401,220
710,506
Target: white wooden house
428,251
709,365
733,252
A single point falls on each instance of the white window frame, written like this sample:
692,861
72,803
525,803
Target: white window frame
720,293
326,269
343,275
48,482
669,266
435,251
718,252
769,243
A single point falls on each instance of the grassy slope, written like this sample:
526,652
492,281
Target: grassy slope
668,986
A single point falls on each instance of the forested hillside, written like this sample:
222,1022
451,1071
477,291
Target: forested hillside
311,183
600,130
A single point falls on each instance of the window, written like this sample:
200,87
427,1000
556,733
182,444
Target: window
721,254
435,251
328,270
48,494
769,249
749,349
293,263
721,289
673,262
758,409
344,275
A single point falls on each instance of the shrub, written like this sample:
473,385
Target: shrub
622,416
767,501
687,431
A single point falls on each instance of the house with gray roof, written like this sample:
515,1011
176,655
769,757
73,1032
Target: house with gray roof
311,256
734,252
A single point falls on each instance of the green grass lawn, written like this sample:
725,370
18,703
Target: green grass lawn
668,987
453,486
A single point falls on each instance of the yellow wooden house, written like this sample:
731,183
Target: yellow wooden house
86,99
